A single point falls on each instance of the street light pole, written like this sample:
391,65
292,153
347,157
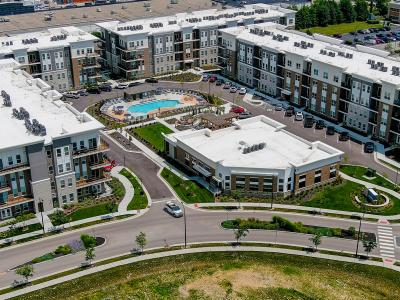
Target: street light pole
359,232
184,221
41,208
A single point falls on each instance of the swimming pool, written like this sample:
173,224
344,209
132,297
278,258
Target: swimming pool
144,108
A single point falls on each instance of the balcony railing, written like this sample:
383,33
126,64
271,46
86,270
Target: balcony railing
91,181
14,168
15,200
99,165
103,147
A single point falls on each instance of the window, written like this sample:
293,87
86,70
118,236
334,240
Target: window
58,152
48,153
66,151
316,72
64,199
289,63
332,171
10,161
302,181
335,78
60,168
62,183
325,75
69,182
317,176
18,158
68,167
71,197
51,170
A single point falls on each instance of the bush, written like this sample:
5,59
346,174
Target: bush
337,232
348,42
88,241
373,21
63,249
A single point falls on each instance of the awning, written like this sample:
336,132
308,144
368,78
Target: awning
201,170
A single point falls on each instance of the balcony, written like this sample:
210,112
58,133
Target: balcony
103,147
99,165
15,200
14,168
4,188
91,181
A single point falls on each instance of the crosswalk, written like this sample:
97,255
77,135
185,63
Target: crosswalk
386,241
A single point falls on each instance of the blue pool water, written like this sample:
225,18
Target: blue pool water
144,108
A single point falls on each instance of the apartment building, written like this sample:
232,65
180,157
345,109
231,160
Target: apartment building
254,156
49,152
358,87
394,11
65,58
146,47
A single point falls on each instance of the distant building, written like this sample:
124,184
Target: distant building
9,7
49,151
255,156
394,11
65,58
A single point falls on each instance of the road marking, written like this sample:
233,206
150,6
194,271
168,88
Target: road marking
386,241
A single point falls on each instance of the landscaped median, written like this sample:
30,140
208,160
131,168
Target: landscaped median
239,273
139,199
152,135
188,191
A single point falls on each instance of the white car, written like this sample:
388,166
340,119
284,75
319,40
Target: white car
122,86
72,95
173,209
299,116
278,107
233,89
242,91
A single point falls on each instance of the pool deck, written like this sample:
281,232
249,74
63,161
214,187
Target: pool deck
184,100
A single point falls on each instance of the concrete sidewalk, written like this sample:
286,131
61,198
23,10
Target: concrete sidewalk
46,224
189,251
129,190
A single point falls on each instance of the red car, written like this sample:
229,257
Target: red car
213,79
237,110
109,167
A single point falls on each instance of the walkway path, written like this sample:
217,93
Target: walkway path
129,190
386,241
188,251
47,225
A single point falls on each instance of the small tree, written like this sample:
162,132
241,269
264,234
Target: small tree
88,241
90,255
240,233
316,240
352,231
111,206
25,271
368,244
141,240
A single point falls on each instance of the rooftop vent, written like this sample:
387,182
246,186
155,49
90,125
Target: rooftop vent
255,147
6,98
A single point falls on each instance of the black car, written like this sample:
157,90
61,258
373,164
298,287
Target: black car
369,147
289,111
132,84
308,121
330,130
151,80
105,87
320,124
344,136
219,82
93,90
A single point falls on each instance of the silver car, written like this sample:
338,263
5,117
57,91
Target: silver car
173,209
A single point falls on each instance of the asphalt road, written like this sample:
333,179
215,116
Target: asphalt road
161,228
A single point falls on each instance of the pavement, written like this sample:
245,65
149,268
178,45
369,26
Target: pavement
129,190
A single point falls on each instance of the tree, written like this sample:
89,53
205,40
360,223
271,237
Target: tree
111,206
368,244
316,240
141,240
89,255
349,14
352,230
240,233
25,271
382,7
88,241
361,9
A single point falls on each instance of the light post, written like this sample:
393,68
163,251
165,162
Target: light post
184,222
41,209
359,230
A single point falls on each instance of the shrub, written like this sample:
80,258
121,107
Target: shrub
348,42
63,249
337,232
88,241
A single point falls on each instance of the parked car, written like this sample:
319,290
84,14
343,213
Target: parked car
72,95
299,116
320,124
330,130
205,78
237,109
308,121
227,85
121,86
344,136
173,209
289,111
83,92
151,80
245,115
218,82
278,107
105,87
369,147
242,91
213,78
93,90
233,89
136,83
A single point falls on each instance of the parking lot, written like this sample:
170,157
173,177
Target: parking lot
375,36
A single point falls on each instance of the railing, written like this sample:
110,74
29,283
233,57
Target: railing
88,151
90,181
15,200
14,168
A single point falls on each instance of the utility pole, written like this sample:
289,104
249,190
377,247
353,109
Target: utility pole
184,222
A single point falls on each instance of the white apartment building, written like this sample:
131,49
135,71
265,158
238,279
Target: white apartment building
357,86
65,58
145,47
48,151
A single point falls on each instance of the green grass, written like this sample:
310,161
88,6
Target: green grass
91,211
117,187
151,134
189,191
226,275
343,28
139,199
358,172
20,230
182,77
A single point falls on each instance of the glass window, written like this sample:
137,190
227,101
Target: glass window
66,151
58,151
62,183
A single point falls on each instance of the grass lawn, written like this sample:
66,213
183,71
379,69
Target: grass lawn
343,28
182,77
139,200
91,211
20,230
152,134
240,275
189,191
358,172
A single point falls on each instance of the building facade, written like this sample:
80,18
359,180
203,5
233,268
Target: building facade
357,87
49,152
394,11
147,47
65,58
254,156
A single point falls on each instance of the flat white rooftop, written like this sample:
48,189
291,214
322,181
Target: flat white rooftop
282,149
44,39
357,65
42,103
198,19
